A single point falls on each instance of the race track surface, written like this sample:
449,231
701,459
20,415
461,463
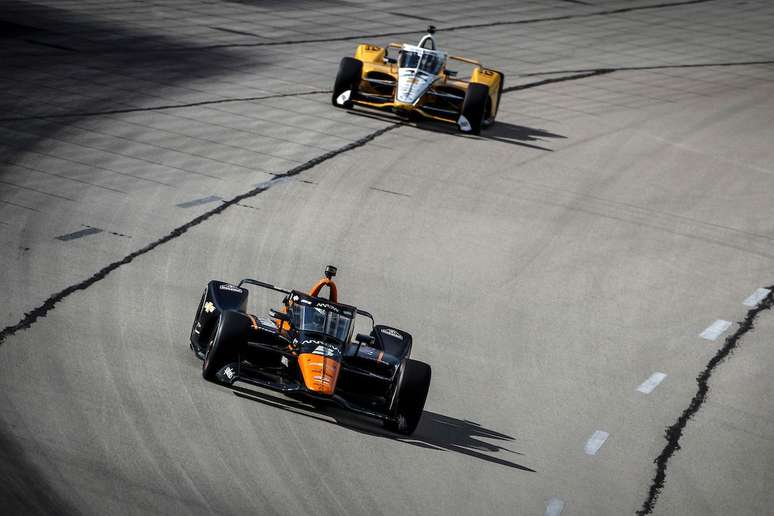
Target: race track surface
548,269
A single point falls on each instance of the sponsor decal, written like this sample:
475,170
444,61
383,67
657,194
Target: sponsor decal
230,373
295,298
464,124
232,288
324,351
343,98
326,306
392,333
284,361
209,307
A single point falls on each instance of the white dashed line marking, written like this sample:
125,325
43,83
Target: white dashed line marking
651,383
595,442
714,330
756,297
554,507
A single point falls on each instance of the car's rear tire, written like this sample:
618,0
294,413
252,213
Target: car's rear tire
223,347
412,393
499,95
474,108
348,78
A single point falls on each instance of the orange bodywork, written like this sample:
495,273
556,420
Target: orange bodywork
322,283
319,373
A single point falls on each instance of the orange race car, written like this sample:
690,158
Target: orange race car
418,82
307,348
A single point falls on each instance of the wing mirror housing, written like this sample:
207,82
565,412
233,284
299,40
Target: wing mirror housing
387,58
450,73
276,314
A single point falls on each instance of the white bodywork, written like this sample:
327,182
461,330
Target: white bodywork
416,77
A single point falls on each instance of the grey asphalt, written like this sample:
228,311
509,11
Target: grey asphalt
545,269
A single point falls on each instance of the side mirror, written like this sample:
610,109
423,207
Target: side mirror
276,314
450,73
387,58
364,339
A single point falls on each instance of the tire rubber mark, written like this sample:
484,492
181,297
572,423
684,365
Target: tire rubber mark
197,202
79,234
389,192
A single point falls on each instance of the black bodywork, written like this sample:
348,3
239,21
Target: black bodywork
266,354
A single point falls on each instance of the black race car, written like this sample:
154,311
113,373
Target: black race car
306,348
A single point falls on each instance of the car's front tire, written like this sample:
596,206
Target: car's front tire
347,79
410,399
223,347
475,108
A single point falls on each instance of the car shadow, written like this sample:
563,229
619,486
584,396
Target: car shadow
435,431
502,132
519,135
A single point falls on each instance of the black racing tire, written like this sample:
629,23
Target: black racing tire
411,396
348,78
474,108
224,345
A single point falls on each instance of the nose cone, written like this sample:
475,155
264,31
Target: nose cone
319,372
412,85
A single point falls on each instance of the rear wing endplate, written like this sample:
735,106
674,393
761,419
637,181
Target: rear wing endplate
257,283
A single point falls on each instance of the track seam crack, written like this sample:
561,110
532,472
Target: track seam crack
608,12
164,107
575,77
452,28
652,67
674,432
41,311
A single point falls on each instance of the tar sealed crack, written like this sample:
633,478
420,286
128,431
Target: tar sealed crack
575,77
164,107
675,432
49,304
450,28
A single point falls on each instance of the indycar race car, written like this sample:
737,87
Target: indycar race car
418,82
306,348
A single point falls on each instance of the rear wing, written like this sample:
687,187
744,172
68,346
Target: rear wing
466,60
257,283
